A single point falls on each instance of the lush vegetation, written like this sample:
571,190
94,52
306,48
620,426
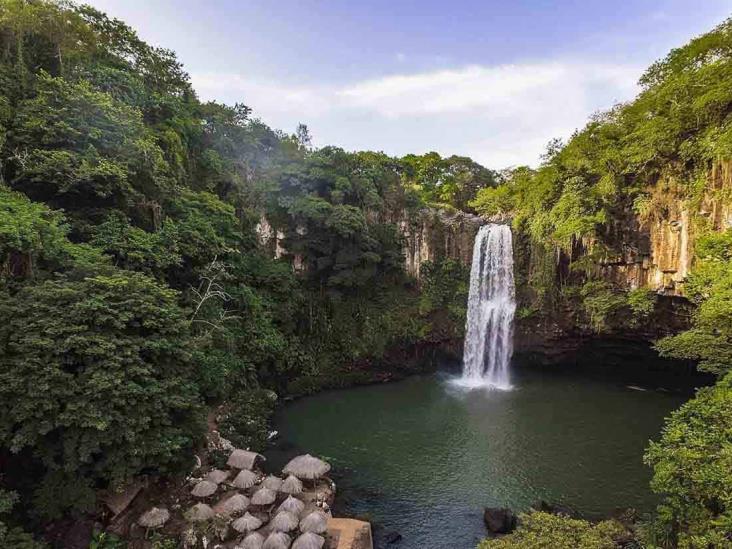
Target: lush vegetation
539,530
160,257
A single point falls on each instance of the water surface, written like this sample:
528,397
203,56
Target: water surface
422,457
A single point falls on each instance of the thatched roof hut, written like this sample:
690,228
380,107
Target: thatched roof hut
200,512
315,522
308,540
284,521
277,540
247,523
154,518
263,496
204,489
243,459
255,540
307,467
272,482
245,479
217,476
233,505
292,505
292,485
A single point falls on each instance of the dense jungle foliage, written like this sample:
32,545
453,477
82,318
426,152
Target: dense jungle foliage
159,255
634,162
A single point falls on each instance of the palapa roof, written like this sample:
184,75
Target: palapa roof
308,540
277,540
307,467
200,512
284,521
154,518
233,505
255,540
292,485
217,475
245,479
263,496
243,459
247,523
204,489
272,482
292,505
315,522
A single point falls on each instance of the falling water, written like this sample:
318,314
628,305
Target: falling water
491,306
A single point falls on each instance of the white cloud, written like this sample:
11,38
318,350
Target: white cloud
500,115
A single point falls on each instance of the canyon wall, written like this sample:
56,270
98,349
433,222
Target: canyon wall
656,237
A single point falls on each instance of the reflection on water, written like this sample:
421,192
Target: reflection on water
423,457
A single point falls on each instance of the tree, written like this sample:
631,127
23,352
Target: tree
692,471
96,382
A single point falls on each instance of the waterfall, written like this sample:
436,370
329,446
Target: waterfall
491,306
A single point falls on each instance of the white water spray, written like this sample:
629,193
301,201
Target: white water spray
491,306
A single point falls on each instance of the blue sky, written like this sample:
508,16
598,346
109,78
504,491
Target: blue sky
488,79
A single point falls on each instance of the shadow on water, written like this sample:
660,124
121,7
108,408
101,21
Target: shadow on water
422,457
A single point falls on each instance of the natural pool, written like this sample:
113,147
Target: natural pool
422,457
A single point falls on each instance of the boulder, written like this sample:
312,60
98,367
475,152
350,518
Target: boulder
499,520
392,537
554,509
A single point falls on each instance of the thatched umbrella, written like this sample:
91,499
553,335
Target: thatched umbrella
204,489
233,505
218,476
272,482
243,459
263,496
284,521
292,505
308,540
292,485
307,467
200,512
245,479
255,540
316,523
247,523
154,518
277,540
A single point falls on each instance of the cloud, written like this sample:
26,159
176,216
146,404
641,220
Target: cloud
500,115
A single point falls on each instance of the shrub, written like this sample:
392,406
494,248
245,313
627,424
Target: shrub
539,530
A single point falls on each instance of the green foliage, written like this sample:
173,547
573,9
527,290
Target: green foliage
602,304
450,183
710,285
245,421
445,290
77,361
538,530
642,303
692,465
11,536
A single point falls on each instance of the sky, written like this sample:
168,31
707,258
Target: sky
493,80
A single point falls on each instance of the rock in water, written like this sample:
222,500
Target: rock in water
499,520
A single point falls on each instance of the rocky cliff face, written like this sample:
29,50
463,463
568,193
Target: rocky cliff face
656,237
433,235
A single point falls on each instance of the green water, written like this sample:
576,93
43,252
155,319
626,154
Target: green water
423,458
